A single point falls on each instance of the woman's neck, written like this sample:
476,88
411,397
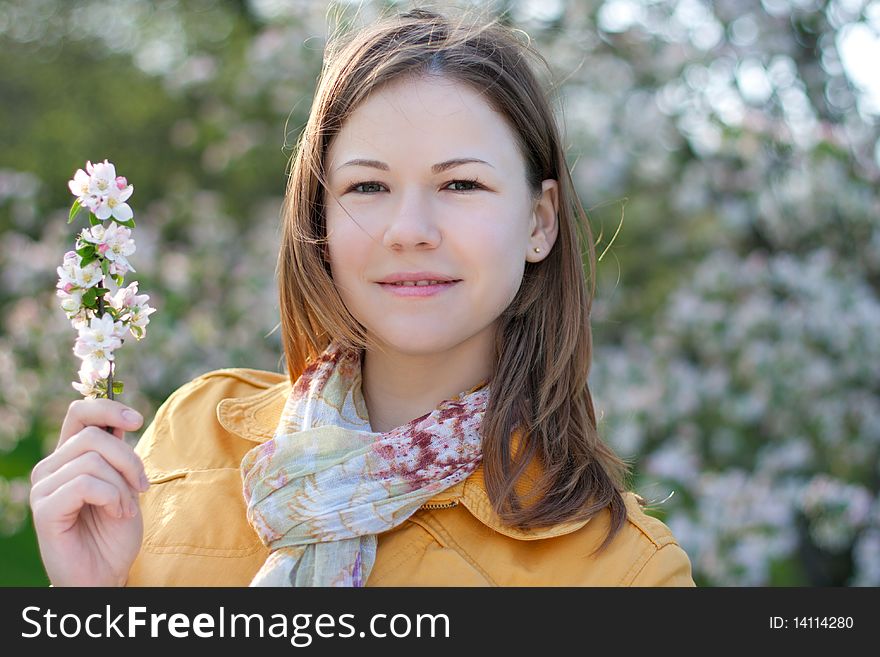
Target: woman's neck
400,387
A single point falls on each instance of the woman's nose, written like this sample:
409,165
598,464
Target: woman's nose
411,224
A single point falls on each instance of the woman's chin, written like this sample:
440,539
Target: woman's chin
416,341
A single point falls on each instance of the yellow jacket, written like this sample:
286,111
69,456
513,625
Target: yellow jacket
196,532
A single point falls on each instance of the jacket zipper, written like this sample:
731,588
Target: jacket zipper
446,505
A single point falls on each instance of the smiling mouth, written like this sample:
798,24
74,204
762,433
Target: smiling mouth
419,283
415,289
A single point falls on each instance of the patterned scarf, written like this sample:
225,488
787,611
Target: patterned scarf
320,490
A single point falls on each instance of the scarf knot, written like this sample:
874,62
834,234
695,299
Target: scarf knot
325,485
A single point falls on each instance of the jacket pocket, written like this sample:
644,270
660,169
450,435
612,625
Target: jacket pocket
162,477
198,512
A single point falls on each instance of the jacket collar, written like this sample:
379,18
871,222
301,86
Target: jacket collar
255,418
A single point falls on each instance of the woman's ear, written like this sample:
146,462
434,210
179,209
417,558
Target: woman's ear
545,222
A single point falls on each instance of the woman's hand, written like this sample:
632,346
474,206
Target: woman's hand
84,497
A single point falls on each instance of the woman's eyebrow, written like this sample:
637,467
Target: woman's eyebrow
440,167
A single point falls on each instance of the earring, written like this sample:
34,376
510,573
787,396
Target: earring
537,250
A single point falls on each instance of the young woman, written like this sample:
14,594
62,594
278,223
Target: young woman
435,425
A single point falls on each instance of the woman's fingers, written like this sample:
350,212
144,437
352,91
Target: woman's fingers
101,413
70,497
93,466
92,477
115,452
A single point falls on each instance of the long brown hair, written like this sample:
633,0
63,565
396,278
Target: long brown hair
543,346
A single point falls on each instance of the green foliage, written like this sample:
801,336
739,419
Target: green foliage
74,210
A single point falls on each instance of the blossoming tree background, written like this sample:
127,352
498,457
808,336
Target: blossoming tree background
736,323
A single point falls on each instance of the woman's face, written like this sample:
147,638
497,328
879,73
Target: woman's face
405,203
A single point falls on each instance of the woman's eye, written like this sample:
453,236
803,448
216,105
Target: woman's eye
371,187
468,185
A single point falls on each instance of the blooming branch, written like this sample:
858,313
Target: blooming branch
101,252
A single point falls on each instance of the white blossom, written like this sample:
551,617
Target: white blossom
99,189
71,275
113,243
118,246
98,340
128,300
71,302
111,192
91,374
81,187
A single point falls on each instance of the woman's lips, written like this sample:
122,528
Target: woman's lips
418,290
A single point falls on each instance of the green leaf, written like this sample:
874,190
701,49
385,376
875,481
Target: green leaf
89,297
118,387
105,266
74,210
86,250
118,278
101,290
93,220
88,260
